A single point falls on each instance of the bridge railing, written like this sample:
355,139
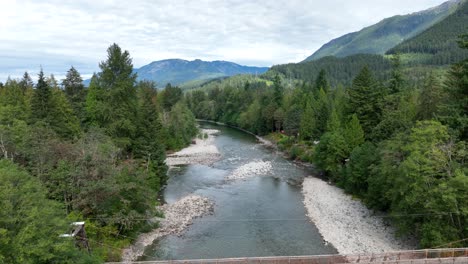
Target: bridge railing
425,256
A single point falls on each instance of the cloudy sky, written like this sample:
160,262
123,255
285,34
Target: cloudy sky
60,33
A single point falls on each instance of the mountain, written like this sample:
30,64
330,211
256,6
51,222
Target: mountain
438,44
180,72
379,38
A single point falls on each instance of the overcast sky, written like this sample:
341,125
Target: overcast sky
60,33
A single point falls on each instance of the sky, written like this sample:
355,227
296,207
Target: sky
55,34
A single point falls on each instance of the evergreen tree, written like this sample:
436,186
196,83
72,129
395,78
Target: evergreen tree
277,90
170,96
322,112
353,133
30,224
397,81
41,103
364,100
321,82
26,82
117,97
454,110
307,127
149,144
52,82
430,97
75,92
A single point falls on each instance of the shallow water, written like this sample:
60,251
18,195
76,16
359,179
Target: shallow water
260,216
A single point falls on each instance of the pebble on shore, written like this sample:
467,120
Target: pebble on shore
202,152
347,223
249,170
177,217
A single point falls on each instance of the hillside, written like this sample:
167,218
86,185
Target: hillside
339,70
180,72
379,38
438,44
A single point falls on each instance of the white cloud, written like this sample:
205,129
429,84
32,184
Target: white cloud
60,33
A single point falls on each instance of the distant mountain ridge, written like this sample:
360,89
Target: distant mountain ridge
381,37
178,71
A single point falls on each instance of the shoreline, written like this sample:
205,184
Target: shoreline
202,151
346,223
177,217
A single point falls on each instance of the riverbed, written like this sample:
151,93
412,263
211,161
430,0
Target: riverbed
258,205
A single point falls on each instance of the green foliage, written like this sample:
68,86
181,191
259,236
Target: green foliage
365,97
430,97
75,92
405,167
112,99
106,169
41,102
331,152
30,224
308,125
180,125
339,70
454,109
358,169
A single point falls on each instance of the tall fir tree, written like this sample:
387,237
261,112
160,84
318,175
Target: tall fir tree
307,127
397,81
365,97
115,108
321,82
41,103
430,97
75,92
454,110
26,82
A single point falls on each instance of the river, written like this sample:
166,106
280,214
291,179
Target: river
261,216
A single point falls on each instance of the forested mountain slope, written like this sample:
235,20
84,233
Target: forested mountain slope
438,44
379,38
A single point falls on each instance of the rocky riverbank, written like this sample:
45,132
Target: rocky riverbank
347,223
249,170
202,152
177,217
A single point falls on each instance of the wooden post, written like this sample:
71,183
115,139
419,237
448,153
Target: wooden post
79,233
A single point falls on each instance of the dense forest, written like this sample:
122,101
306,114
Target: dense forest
435,46
400,148
75,154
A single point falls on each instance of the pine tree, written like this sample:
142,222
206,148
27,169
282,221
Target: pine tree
454,110
41,101
26,83
149,144
113,104
353,133
397,81
74,90
321,82
277,90
307,127
322,112
364,100
430,97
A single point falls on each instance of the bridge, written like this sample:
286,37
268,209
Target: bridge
424,256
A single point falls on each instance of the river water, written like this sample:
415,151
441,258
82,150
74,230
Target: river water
261,216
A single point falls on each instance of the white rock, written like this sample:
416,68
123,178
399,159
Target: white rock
347,223
177,217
